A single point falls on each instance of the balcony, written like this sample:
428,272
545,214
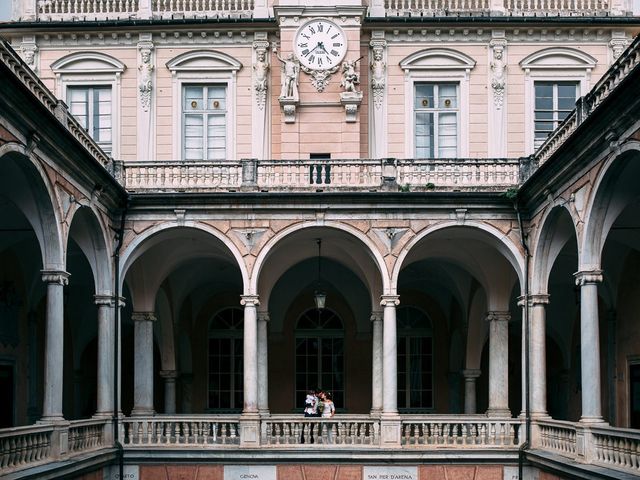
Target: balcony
493,175
65,10
184,437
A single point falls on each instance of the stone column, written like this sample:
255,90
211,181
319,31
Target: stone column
470,390
169,377
143,363
498,364
390,356
250,354
376,364
263,363
105,355
33,411
590,345
54,345
538,356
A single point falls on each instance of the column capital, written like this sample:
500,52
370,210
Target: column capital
55,276
585,277
107,300
376,316
389,300
539,299
169,374
471,374
264,316
143,317
498,316
249,300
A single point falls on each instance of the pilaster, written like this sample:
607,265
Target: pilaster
498,97
470,377
143,363
498,364
378,95
260,108
146,98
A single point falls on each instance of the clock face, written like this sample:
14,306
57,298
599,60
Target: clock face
320,44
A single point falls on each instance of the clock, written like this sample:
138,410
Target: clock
320,44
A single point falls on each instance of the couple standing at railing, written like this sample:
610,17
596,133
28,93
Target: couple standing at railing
318,404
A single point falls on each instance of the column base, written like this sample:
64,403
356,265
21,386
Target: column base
52,419
101,415
592,420
140,412
264,412
540,415
375,412
499,413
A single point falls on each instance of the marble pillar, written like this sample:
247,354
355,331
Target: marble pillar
389,356
590,345
54,345
376,364
470,377
498,364
263,363
250,354
105,373
143,363
538,355
169,377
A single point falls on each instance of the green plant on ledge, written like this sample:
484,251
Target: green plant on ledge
404,188
510,194
430,186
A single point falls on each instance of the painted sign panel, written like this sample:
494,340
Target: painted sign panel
112,472
249,472
390,473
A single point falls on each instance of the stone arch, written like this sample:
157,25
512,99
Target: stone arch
371,250
509,251
551,237
612,190
139,245
36,200
87,230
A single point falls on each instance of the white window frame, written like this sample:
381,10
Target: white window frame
437,65
552,65
205,113
92,69
204,68
437,111
556,120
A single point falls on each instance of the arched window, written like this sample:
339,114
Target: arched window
415,360
320,355
225,360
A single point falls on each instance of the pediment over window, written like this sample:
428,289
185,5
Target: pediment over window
438,59
88,62
558,58
203,61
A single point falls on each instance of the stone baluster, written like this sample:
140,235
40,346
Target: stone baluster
54,345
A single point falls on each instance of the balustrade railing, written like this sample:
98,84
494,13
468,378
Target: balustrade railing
460,432
558,436
200,430
617,448
203,7
182,176
281,430
86,9
85,435
23,447
323,175
516,7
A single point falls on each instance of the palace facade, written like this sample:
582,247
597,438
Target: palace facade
426,207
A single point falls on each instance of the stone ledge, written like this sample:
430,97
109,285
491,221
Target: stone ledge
76,465
560,465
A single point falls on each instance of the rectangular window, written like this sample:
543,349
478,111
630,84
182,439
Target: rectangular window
92,108
553,102
204,123
436,109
